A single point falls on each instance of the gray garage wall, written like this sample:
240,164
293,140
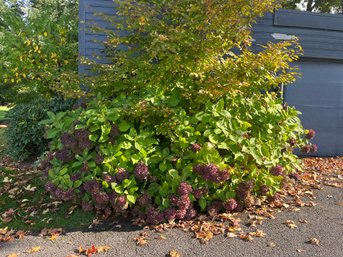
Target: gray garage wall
318,94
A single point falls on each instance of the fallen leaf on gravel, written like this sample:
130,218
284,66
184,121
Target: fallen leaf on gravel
20,234
73,255
303,221
339,203
140,241
272,244
300,250
204,236
90,251
291,224
313,241
174,253
12,255
3,231
311,204
246,237
33,249
160,237
259,233
53,237
231,235
102,248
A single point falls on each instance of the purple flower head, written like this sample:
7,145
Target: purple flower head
100,197
195,147
230,204
68,195
191,213
180,214
64,155
314,148
141,172
173,199
85,168
120,203
144,200
197,169
114,132
264,189
184,188
154,216
108,178
184,202
75,177
86,206
58,193
223,175
277,170
91,186
306,149
292,142
244,188
68,141
310,134
50,187
81,134
198,193
170,214
99,159
121,175
215,207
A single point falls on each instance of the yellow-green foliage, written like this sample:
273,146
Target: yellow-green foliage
39,48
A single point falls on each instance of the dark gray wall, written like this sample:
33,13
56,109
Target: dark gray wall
318,94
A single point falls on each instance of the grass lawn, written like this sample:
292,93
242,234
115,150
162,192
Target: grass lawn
25,205
3,111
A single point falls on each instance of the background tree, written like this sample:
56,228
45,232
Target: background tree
327,6
38,42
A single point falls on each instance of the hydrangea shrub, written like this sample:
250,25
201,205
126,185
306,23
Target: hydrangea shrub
220,159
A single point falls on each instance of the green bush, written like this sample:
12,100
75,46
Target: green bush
25,136
189,129
224,157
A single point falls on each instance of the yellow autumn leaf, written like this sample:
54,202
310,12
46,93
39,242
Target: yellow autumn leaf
53,237
12,255
33,249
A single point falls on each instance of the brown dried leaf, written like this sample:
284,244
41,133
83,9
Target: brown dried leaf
291,224
246,237
313,241
140,241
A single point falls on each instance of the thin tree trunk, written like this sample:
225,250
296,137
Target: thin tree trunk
309,6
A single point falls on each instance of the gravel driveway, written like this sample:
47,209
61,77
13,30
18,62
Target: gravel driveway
323,222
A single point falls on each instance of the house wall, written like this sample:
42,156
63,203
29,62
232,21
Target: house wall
318,94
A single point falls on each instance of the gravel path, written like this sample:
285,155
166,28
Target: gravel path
324,222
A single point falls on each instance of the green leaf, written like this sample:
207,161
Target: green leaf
164,189
77,183
202,203
173,173
63,171
163,166
124,126
153,188
131,198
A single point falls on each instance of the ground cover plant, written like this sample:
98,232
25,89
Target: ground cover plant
26,207
188,123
